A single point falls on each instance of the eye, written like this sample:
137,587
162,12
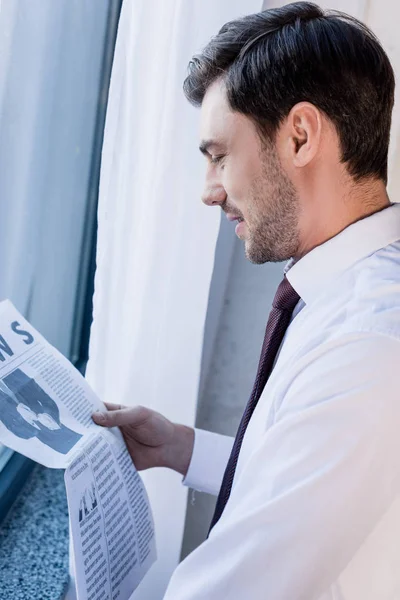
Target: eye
216,159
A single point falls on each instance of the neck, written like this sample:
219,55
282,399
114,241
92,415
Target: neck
322,221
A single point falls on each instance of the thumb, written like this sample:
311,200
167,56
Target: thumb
108,418
120,416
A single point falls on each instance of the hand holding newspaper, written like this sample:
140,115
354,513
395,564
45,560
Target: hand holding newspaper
45,414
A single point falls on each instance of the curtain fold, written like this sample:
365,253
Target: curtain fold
156,240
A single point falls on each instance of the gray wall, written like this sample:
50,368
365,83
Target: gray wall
239,303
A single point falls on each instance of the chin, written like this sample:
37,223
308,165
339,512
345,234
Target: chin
255,255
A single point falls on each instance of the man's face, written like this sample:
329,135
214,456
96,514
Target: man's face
248,181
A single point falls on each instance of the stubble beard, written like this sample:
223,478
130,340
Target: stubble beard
273,214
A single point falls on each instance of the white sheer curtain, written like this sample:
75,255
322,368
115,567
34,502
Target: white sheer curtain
156,240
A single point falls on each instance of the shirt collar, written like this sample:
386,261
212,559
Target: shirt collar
364,237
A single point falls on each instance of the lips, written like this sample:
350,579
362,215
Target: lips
234,218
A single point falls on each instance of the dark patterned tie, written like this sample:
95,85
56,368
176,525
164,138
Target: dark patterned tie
284,302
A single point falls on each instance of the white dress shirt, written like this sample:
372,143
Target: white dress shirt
314,512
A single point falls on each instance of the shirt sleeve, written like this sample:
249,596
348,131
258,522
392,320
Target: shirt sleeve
210,455
316,485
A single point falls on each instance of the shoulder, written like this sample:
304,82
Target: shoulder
366,297
348,339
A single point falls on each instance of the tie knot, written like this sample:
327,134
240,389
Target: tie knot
286,297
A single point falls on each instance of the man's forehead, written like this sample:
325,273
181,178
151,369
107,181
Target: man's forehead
218,123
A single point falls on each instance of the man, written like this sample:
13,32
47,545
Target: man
295,117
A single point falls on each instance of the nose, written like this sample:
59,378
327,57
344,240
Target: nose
214,196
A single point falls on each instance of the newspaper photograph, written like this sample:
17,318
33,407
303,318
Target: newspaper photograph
45,403
46,409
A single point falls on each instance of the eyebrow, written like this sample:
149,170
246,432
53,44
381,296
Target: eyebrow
207,144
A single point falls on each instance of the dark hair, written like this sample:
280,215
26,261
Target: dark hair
273,59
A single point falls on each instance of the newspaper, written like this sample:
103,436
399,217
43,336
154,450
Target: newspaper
45,414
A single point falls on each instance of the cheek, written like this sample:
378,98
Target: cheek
237,177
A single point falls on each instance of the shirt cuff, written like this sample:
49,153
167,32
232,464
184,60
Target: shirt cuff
210,456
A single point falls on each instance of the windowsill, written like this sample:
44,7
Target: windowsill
34,540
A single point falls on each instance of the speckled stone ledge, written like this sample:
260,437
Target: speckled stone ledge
34,540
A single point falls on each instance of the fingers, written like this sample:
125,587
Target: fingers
117,416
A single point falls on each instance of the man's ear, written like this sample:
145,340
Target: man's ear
303,133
